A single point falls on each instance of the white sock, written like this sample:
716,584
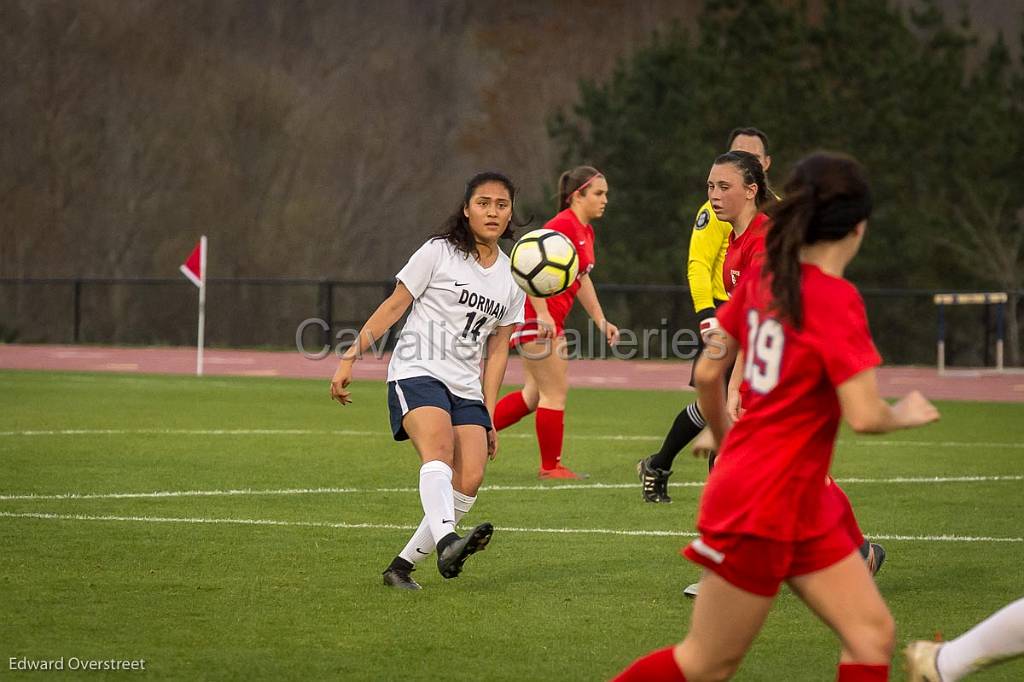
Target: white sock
421,544
997,638
437,499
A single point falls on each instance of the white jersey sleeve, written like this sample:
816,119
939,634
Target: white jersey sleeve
417,272
517,311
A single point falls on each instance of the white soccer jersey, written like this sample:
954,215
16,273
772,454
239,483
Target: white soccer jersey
457,305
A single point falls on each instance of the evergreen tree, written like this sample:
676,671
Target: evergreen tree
942,138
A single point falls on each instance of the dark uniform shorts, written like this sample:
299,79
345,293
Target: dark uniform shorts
408,394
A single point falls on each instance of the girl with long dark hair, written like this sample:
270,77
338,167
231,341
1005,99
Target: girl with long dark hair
465,305
768,515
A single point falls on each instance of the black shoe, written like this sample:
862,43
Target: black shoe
878,559
400,578
455,553
655,482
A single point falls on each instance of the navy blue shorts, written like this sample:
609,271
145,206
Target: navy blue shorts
408,394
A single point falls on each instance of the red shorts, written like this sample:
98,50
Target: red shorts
849,520
527,332
760,565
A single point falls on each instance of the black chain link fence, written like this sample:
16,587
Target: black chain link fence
267,313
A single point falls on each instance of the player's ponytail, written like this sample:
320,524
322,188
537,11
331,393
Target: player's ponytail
455,228
572,181
790,218
826,197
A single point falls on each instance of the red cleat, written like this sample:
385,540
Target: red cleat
560,472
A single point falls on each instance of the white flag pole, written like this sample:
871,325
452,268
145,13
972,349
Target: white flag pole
202,306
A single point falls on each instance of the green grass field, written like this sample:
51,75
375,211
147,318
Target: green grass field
276,580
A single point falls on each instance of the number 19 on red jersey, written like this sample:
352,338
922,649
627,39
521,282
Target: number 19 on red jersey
765,341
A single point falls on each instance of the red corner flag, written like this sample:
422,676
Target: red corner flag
193,266
195,269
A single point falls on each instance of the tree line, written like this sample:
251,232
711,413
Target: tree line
938,121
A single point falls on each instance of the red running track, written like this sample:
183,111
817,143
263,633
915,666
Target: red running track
625,374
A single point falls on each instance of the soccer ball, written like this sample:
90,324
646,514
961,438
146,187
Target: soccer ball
544,263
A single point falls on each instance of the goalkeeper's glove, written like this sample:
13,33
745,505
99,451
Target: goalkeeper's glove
708,323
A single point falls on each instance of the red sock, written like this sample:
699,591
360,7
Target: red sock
859,672
550,427
510,410
657,666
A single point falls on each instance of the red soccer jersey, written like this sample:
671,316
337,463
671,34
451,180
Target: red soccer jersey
745,253
582,237
770,478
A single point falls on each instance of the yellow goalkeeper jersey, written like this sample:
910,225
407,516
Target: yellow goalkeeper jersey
708,244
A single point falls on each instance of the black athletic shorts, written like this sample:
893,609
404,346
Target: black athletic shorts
408,394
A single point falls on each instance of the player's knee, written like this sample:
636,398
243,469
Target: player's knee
873,640
886,630
469,483
443,452
432,443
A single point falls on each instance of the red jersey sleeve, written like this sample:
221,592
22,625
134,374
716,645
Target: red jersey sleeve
844,339
732,315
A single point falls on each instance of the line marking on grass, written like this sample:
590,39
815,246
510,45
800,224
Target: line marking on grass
246,492
861,442
389,526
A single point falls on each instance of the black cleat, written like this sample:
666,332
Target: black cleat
655,482
455,553
400,579
877,558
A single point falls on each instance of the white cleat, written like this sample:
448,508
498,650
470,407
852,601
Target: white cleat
691,590
921,657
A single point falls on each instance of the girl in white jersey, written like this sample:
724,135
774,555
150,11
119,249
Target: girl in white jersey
463,298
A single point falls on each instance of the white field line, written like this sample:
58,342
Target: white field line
387,526
250,492
865,442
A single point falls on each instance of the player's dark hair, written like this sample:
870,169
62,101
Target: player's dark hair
455,230
826,197
571,181
751,132
751,172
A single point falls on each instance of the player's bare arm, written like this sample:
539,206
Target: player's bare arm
733,400
866,412
386,315
710,373
545,322
588,297
493,375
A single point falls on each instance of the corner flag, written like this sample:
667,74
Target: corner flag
194,268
